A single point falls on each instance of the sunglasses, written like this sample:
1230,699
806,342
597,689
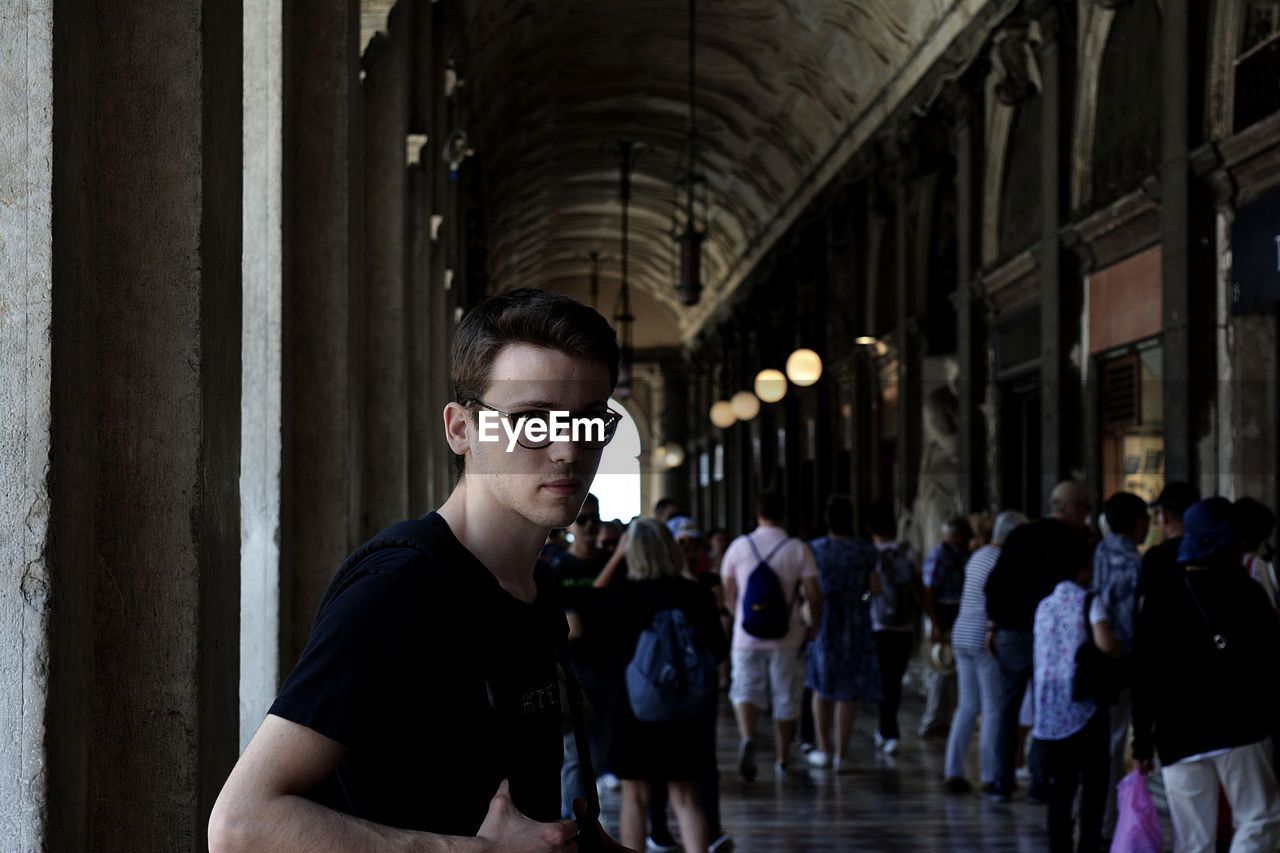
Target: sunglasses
540,420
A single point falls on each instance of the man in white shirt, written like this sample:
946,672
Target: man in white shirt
768,670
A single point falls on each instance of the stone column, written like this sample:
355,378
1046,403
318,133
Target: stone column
385,470
1186,238
34,507
321,236
971,331
909,355
444,291
1060,294
425,434
165,186
262,266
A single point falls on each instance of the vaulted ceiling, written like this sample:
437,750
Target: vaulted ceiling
786,92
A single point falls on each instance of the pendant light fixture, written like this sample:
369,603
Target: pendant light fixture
690,234
627,153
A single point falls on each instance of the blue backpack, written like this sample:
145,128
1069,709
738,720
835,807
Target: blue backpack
765,612
669,678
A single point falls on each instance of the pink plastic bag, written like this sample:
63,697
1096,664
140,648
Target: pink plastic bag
1137,824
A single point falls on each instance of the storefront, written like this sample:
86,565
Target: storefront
1124,325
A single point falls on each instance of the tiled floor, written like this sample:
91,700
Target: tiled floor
882,804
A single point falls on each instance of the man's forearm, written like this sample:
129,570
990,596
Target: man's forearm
290,823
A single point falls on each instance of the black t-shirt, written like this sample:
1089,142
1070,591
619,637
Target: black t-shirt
439,683
1035,558
574,572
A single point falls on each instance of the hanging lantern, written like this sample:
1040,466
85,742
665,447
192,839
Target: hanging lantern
745,405
722,414
804,367
674,457
770,385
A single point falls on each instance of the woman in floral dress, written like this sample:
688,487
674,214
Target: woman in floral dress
841,667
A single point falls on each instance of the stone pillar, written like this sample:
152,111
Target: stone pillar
321,234
971,331
385,469
444,290
34,507
1186,238
425,439
909,354
166,194
262,267
1060,295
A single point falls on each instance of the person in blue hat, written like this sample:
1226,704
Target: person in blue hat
1205,643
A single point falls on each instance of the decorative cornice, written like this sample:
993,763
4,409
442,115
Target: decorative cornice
1127,225
1243,166
1011,285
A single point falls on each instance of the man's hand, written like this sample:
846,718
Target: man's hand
601,839
508,831
935,634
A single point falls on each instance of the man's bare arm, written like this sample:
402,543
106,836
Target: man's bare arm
261,807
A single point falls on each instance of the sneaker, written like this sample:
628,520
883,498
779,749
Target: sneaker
818,758
609,782
747,759
891,746
840,765
878,738
957,785
723,844
654,847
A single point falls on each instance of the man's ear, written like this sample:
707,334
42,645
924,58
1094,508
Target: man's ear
455,428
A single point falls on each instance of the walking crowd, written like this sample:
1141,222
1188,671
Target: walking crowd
1082,653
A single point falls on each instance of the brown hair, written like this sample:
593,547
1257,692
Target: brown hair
526,316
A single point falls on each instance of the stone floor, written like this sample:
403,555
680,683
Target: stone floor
882,804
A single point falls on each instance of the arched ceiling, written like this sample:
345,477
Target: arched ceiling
553,85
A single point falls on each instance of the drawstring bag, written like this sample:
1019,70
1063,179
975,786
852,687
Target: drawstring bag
1137,824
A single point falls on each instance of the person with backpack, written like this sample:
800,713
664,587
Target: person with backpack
764,574
425,710
943,580
895,614
667,627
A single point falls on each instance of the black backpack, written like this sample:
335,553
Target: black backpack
765,612
898,604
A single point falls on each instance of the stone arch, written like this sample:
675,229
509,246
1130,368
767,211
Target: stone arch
1095,25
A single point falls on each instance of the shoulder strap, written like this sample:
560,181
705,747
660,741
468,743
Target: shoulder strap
777,548
1219,641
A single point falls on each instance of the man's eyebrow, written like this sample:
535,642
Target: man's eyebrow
543,404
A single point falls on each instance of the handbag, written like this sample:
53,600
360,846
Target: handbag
1098,675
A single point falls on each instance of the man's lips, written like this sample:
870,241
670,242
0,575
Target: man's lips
563,484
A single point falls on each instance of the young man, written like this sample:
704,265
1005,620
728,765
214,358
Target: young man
893,641
769,670
424,713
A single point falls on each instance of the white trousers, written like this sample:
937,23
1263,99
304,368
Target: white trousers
1246,775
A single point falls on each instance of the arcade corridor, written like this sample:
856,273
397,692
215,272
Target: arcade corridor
936,256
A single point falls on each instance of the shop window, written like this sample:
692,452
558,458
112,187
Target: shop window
1131,406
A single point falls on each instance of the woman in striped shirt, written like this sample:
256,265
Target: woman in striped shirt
977,673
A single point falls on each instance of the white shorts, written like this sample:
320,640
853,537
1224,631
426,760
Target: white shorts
768,678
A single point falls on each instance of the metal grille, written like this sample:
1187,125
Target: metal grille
1121,392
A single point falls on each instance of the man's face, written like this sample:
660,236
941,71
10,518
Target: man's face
691,547
586,526
608,538
546,486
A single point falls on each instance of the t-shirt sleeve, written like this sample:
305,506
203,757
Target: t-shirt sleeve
729,564
347,672
1098,611
808,564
